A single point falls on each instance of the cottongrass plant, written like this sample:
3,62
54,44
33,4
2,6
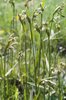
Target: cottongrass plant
31,68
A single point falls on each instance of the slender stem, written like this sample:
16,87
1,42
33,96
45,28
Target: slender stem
44,83
24,30
33,49
40,46
13,16
13,20
19,64
12,58
26,66
4,77
49,56
29,59
60,97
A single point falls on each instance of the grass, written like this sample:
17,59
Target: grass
32,50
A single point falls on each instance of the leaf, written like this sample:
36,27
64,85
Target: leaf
52,36
47,63
10,70
51,82
43,3
32,91
33,84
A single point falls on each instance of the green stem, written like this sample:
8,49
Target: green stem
40,46
13,16
49,55
33,49
24,30
13,8
19,64
26,66
11,58
44,76
4,77
29,59
60,97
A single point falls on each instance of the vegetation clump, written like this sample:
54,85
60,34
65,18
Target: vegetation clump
32,50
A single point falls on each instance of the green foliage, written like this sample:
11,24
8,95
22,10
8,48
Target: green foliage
32,50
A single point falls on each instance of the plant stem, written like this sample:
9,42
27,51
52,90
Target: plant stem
33,49
26,65
4,77
13,16
60,87
49,57
44,76
24,30
40,46
29,59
